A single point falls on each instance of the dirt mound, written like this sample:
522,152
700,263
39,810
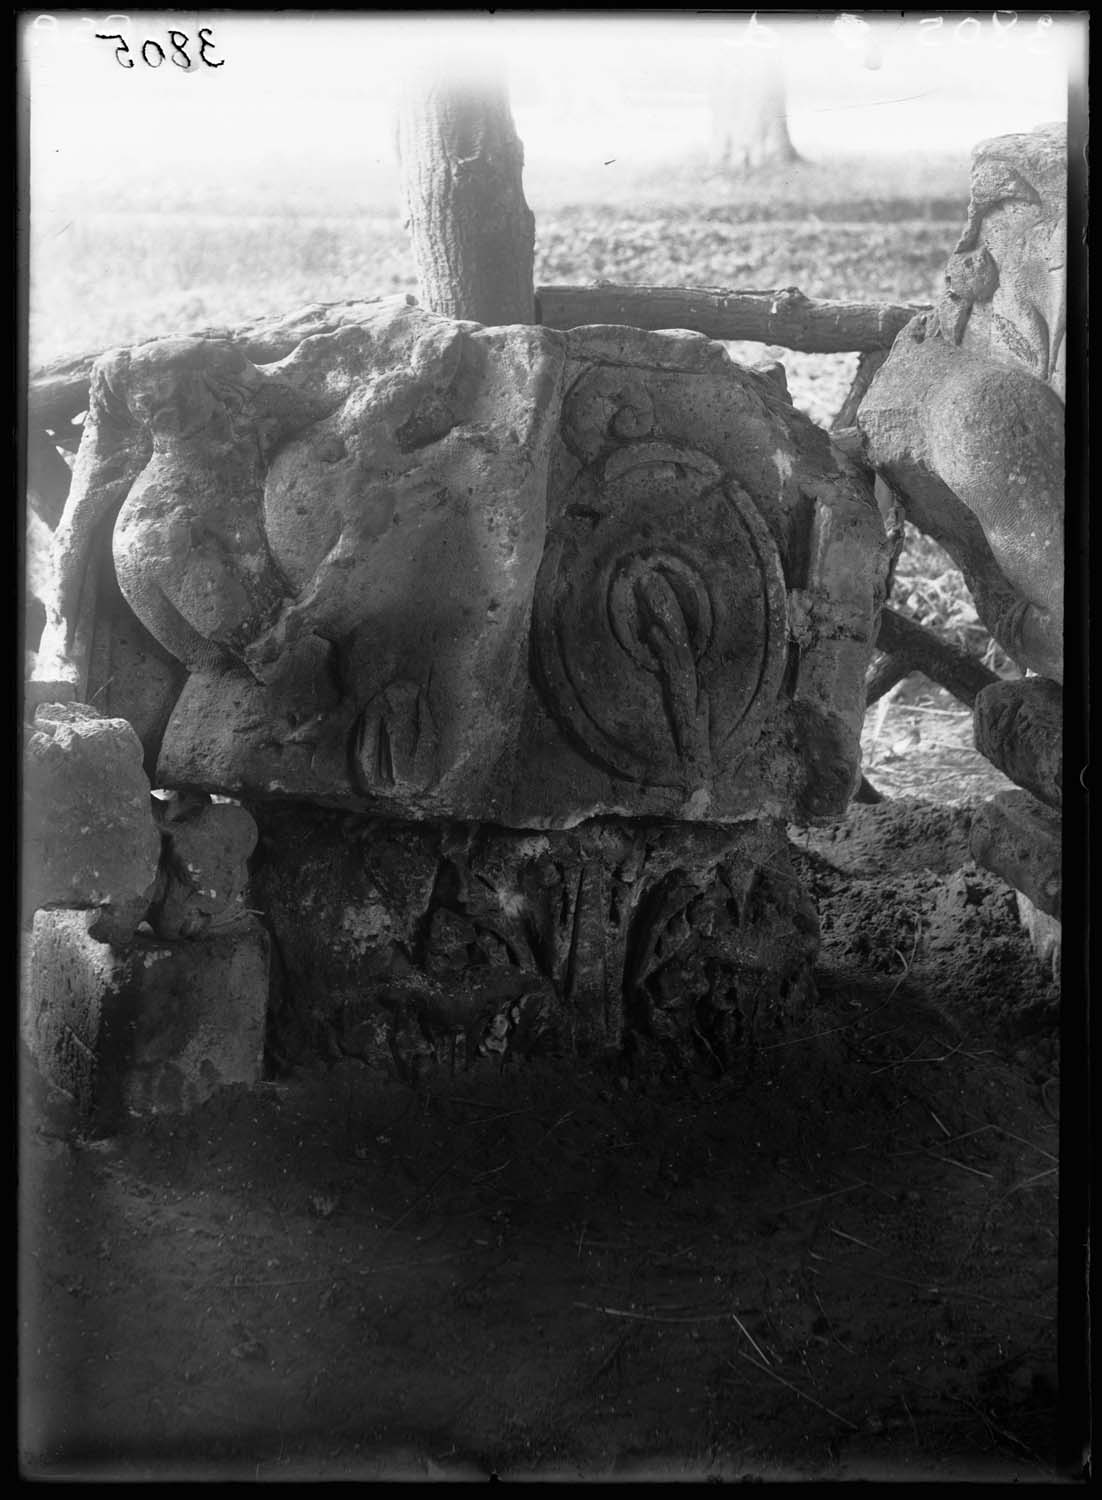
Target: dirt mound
898,894
901,836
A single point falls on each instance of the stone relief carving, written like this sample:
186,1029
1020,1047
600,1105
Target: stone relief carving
966,420
966,416
1006,287
414,563
518,646
661,615
440,946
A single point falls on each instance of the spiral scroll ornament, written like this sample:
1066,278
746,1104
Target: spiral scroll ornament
660,617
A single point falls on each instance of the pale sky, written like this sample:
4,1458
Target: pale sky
298,87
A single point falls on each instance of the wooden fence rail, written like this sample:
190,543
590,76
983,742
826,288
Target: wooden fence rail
784,317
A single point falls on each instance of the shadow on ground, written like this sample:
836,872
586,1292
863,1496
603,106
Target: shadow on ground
839,1261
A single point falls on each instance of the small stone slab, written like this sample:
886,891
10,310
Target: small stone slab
150,1028
1018,838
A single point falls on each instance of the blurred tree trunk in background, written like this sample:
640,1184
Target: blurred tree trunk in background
462,161
749,112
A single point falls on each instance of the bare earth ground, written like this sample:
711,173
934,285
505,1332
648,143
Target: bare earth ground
838,1263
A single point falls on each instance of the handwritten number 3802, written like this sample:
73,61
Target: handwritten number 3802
178,40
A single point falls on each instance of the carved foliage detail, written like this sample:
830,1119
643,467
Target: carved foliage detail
709,957
440,947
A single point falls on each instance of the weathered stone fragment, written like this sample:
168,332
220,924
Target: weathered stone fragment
130,675
348,902
539,638
153,1026
709,590
89,839
976,449
966,420
440,947
1006,283
428,569
966,416
47,480
1018,838
204,872
1045,934
1019,728
48,477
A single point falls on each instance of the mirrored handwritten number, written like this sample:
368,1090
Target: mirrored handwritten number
122,53
153,54
204,43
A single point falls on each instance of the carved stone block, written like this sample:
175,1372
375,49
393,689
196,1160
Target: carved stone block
152,1026
1019,728
204,872
427,947
432,570
520,646
966,416
89,839
1018,838
966,420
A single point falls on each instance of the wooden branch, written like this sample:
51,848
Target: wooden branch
910,648
953,669
59,392
867,366
884,676
785,317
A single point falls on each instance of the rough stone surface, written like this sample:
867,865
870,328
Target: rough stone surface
153,1026
432,570
976,448
966,416
1045,934
1018,838
537,637
965,419
48,477
1006,283
89,839
130,675
1019,728
439,947
204,871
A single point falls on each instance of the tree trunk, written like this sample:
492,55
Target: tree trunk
473,233
749,114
